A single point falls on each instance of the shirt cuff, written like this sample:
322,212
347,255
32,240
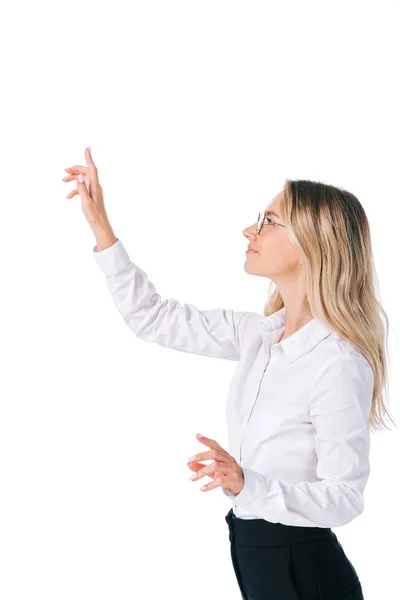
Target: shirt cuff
253,482
111,259
228,493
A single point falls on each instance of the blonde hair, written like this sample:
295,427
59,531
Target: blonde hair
331,229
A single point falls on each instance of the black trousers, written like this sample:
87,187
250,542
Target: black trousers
273,561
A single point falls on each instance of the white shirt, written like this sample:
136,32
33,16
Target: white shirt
297,411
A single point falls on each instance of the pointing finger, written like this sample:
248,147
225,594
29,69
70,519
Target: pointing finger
89,159
208,442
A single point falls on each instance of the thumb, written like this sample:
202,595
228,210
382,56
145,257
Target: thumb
81,186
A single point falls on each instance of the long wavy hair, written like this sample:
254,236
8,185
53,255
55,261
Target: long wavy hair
331,229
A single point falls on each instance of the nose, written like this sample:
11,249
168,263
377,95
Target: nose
250,232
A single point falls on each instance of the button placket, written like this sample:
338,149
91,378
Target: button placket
270,355
251,411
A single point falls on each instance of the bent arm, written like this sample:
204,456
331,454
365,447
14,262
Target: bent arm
339,409
215,333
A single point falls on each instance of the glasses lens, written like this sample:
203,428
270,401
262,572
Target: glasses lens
260,221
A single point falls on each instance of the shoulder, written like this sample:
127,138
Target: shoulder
249,325
338,356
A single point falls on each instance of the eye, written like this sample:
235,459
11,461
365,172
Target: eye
269,221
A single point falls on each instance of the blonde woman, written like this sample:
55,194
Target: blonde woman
307,387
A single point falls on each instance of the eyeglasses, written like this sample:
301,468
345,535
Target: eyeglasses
262,218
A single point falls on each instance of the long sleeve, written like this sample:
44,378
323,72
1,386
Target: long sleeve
339,409
215,333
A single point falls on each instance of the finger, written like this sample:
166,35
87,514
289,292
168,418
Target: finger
209,442
211,469
76,191
73,193
212,485
83,190
77,169
213,455
194,466
74,176
89,159
93,173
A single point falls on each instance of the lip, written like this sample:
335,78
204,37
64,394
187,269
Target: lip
250,250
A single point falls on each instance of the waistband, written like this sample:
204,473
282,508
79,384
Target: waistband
262,533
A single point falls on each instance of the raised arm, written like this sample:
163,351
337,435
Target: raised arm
215,332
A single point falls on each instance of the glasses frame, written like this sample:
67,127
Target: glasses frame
264,217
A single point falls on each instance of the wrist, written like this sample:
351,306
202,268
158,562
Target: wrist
104,235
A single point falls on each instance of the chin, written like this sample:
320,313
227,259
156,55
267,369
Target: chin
250,268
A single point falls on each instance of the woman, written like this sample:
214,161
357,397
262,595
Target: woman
306,390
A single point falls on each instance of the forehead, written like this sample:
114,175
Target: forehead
274,206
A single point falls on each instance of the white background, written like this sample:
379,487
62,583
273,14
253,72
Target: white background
195,112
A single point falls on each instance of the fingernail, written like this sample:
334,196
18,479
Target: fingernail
191,458
193,477
81,178
200,436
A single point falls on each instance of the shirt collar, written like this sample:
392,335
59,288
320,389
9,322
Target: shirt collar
300,342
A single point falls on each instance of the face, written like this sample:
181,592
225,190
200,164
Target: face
277,257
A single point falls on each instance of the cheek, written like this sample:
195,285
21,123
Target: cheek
279,251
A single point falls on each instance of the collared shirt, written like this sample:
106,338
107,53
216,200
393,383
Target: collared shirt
297,410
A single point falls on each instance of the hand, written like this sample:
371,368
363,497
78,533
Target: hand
90,190
225,471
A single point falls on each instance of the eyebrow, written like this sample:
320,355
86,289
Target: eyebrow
271,212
